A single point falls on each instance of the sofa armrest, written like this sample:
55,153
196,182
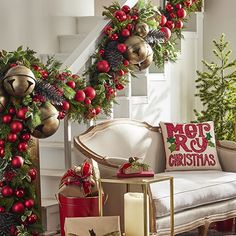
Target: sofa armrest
227,155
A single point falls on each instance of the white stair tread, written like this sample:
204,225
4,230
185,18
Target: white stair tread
52,173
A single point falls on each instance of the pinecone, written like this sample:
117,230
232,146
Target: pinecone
113,56
6,221
154,36
49,92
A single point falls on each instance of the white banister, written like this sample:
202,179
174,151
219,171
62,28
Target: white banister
87,47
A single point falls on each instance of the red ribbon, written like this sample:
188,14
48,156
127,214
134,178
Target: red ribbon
81,179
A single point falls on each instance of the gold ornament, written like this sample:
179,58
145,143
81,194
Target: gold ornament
142,29
136,49
139,52
147,62
3,99
19,81
49,122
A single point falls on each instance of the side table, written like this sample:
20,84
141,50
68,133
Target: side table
144,182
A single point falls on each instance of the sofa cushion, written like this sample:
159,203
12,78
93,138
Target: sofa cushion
190,146
192,189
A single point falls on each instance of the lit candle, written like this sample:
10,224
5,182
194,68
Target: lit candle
134,214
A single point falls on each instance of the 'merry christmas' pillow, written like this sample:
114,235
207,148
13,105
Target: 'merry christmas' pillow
190,146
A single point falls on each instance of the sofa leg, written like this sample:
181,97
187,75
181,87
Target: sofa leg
203,230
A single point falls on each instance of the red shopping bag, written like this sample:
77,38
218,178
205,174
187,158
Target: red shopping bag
76,207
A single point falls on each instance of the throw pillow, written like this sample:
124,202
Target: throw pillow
190,146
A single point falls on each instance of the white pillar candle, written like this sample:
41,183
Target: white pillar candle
134,214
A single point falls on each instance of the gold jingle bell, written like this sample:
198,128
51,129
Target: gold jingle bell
142,29
136,49
3,99
148,61
19,81
49,122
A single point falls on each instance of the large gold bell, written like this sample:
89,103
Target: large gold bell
19,81
49,122
136,49
147,62
3,99
142,29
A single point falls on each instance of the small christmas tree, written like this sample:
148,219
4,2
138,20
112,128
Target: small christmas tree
217,91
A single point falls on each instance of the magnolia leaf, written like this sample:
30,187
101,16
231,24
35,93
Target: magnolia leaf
23,218
68,91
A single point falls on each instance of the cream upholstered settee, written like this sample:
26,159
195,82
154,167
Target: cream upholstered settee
200,197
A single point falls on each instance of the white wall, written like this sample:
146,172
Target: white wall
219,17
37,23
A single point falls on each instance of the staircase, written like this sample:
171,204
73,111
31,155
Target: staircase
152,96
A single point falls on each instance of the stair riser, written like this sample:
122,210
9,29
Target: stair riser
67,43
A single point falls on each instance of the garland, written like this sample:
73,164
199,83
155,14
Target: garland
35,96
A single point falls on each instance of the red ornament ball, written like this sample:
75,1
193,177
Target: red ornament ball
32,219
2,152
169,24
7,191
2,143
79,96
25,137
163,20
103,66
98,110
20,193
181,13
32,174
166,31
178,6
2,209
125,33
125,62
18,207
179,24
65,105
21,113
11,137
29,203
90,92
129,27
16,126
87,101
126,8
107,29
22,146
6,118
12,111
17,162
71,84
121,47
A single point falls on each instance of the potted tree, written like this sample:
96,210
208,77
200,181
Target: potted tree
217,91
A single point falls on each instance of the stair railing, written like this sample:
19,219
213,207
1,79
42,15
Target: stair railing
76,61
